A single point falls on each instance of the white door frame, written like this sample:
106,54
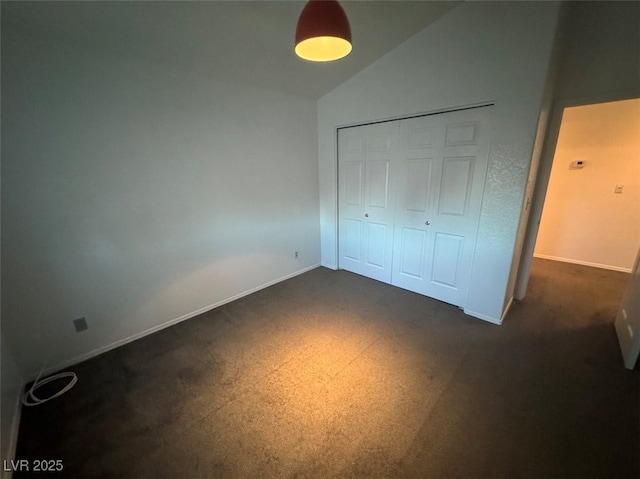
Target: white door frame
542,181
628,319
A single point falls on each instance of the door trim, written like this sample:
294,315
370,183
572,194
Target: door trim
543,176
415,115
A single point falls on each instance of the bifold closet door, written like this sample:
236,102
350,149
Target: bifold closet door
365,199
440,176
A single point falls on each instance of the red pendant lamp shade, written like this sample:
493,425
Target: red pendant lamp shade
323,33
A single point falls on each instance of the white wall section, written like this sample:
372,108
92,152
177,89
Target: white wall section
134,194
584,221
478,53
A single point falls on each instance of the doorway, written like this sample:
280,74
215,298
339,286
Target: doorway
591,213
543,179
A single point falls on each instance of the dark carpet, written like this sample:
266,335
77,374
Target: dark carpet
332,375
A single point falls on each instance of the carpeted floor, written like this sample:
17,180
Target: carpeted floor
332,375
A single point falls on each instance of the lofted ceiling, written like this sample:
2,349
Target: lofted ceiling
249,42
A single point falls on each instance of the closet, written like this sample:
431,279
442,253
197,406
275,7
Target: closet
409,200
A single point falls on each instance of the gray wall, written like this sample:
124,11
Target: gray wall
11,382
136,196
11,390
480,52
601,58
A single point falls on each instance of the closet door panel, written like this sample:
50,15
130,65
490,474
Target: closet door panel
418,168
350,246
411,251
456,146
365,199
455,186
376,244
353,186
446,259
409,201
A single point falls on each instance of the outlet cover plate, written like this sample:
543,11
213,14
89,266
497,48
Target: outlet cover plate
80,324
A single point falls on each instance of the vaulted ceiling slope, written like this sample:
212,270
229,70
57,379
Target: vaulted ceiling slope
249,42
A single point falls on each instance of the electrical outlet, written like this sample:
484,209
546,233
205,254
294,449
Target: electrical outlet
80,324
576,165
295,254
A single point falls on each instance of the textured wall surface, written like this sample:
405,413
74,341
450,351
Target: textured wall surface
478,53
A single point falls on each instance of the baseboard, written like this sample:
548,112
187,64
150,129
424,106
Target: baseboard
122,342
329,266
506,309
483,317
583,263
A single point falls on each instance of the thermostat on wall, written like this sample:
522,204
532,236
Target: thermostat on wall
577,164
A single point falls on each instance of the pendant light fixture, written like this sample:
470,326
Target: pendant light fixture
323,33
